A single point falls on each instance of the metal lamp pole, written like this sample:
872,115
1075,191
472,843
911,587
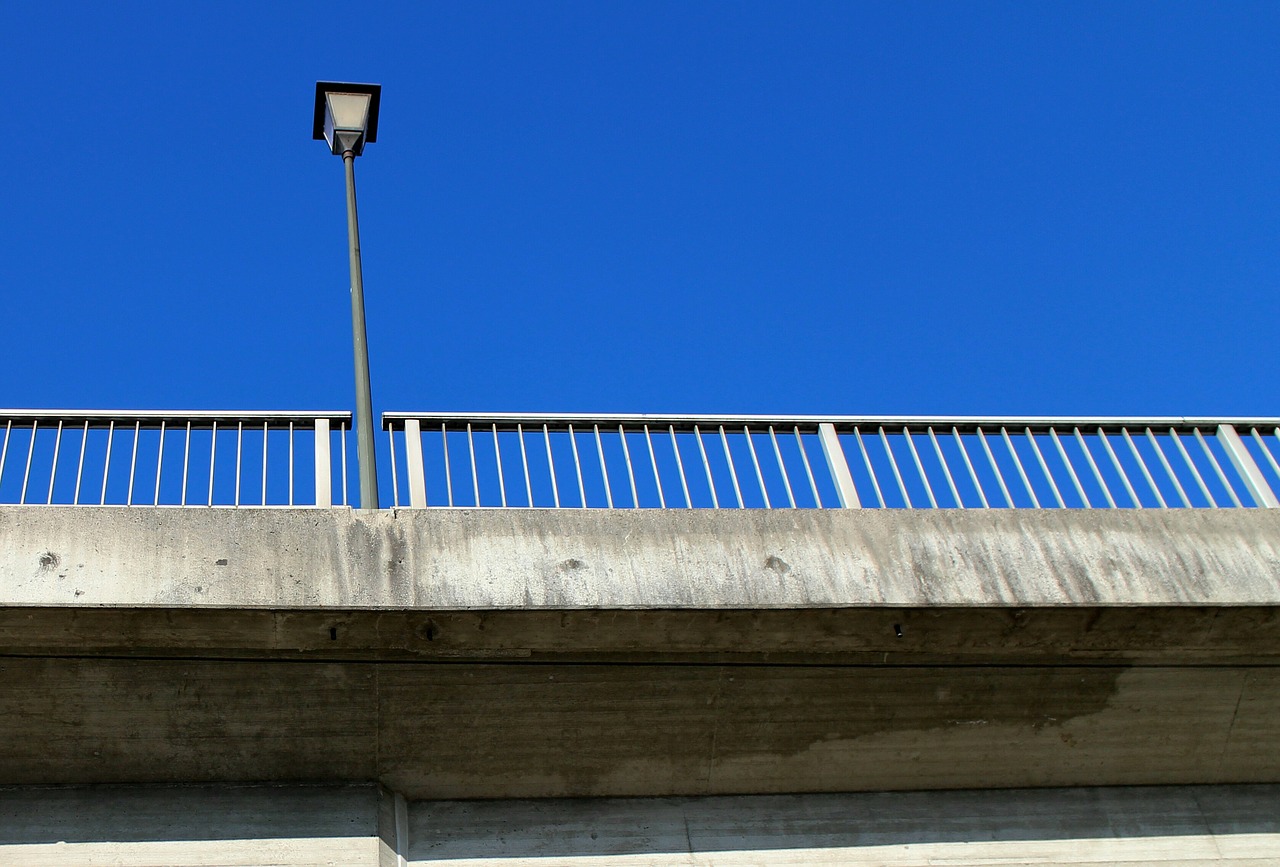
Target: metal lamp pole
346,116
360,340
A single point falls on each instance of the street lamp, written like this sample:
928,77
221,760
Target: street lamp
346,117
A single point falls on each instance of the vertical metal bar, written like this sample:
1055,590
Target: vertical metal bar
1017,462
413,463
106,465
53,468
684,483
186,456
475,478
631,473
653,462
995,468
604,470
1115,462
84,441
1195,473
213,454
524,462
1093,465
31,449
1247,468
4,451
733,473
1142,465
346,500
265,431
893,465
924,477
786,477
551,464
866,459
393,462
133,461
946,470
1071,471
1044,468
968,463
1164,461
448,471
240,451
838,467
324,466
808,468
706,466
1262,444
264,464
395,481
577,468
755,462
497,458
1217,469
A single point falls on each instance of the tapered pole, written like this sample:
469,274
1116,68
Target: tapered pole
364,397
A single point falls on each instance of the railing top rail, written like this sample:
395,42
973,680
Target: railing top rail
395,420
149,415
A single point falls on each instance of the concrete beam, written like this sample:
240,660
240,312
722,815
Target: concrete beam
453,560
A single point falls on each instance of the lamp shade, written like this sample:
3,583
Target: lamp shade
346,115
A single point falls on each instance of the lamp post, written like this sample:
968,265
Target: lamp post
346,117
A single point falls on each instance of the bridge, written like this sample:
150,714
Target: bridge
639,639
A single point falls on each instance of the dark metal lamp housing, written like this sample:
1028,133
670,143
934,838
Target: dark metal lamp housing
346,115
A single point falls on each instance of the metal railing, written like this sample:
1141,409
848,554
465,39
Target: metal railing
86,457
659,461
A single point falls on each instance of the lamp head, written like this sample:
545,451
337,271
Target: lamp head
346,115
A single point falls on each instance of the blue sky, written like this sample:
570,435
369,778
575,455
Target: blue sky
649,207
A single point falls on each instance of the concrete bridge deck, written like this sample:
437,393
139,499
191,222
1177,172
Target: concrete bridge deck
519,653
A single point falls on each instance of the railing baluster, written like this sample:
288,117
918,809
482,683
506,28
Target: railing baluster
1093,465
1142,465
323,465
240,451
524,462
1255,483
653,462
395,473
1044,468
84,441
733,472
604,470
1115,461
946,470
1017,462
1195,473
106,464
31,450
995,468
413,463
475,477
53,469
497,459
866,459
1164,462
213,454
1071,471
684,483
924,477
893,465
1217,469
838,467
755,462
631,473
448,471
4,451
808,470
133,461
551,463
577,468
968,463
786,477
706,465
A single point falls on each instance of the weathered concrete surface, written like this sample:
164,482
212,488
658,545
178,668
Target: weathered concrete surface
1237,825
352,826
497,654
576,559
195,826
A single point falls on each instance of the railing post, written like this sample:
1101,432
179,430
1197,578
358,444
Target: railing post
413,461
1247,467
324,481
838,466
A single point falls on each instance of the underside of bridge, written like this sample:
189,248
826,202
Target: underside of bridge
427,657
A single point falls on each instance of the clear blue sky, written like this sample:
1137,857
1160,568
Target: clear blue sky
732,207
